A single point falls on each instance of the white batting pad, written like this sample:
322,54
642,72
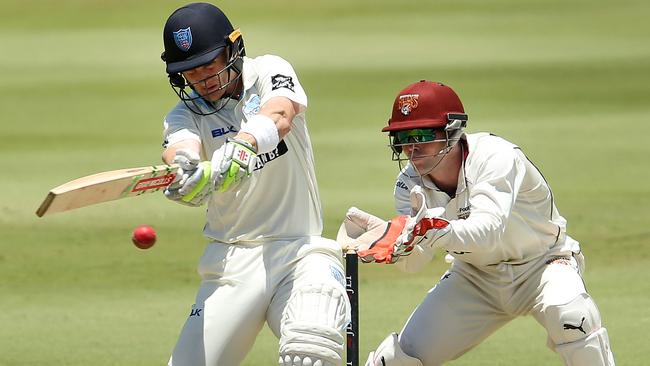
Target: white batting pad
314,327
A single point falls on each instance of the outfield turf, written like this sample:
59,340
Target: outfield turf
83,90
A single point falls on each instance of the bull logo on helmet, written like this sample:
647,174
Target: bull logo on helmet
183,38
408,103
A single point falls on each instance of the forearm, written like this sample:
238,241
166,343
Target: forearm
272,124
491,203
482,232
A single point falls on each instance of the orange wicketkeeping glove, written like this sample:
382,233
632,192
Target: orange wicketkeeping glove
377,240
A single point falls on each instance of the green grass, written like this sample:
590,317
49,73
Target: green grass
83,90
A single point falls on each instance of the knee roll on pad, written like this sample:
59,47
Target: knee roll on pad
313,327
591,351
575,332
390,353
572,321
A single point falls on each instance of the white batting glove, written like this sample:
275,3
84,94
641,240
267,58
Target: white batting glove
232,163
186,188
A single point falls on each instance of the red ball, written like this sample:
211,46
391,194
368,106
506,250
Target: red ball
144,236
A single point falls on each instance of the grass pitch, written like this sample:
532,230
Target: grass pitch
84,91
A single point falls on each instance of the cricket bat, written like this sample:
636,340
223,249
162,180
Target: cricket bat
107,186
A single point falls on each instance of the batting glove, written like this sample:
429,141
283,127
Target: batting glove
232,163
190,186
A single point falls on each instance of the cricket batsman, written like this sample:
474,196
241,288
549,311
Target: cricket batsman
479,198
240,138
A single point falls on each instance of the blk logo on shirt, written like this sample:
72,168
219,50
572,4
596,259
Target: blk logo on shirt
217,132
195,312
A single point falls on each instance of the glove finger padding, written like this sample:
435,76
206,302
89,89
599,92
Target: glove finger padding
363,220
418,201
360,229
232,163
194,180
419,208
190,185
427,224
383,248
198,186
421,221
187,159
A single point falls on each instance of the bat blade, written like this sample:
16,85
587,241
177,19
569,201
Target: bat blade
107,186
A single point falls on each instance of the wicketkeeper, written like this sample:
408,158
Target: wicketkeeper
479,198
240,137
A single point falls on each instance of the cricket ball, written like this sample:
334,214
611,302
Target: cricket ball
144,236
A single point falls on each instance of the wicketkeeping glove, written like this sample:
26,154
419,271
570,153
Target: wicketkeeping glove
382,249
403,232
360,229
232,163
421,221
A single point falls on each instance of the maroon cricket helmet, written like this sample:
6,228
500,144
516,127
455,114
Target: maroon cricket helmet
425,104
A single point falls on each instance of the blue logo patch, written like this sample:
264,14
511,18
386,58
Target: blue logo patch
252,107
338,275
183,39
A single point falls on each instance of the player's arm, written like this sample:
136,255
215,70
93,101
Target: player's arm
281,110
265,130
422,253
235,161
282,97
260,134
194,180
186,153
492,198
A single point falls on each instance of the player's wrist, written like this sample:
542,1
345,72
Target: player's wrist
263,129
243,143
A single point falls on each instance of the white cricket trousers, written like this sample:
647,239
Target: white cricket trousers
469,304
244,286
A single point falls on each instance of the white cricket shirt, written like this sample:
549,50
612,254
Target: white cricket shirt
280,200
503,210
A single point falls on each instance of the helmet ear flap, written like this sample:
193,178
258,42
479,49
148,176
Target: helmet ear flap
177,80
395,145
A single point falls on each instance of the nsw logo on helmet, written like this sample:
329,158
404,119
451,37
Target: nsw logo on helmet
408,103
183,38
